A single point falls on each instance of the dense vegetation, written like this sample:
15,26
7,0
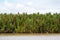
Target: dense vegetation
30,23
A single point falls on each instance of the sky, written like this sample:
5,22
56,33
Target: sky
29,6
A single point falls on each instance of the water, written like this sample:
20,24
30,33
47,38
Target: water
29,37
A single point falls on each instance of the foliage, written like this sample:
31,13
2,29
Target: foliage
30,23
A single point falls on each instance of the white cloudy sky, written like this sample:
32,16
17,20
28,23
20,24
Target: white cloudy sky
29,6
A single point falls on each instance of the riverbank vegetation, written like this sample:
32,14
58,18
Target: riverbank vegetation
30,23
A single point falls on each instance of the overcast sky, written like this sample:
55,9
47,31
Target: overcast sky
29,6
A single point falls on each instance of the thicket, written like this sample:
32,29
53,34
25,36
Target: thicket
30,23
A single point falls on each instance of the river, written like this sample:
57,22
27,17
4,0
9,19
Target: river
30,37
